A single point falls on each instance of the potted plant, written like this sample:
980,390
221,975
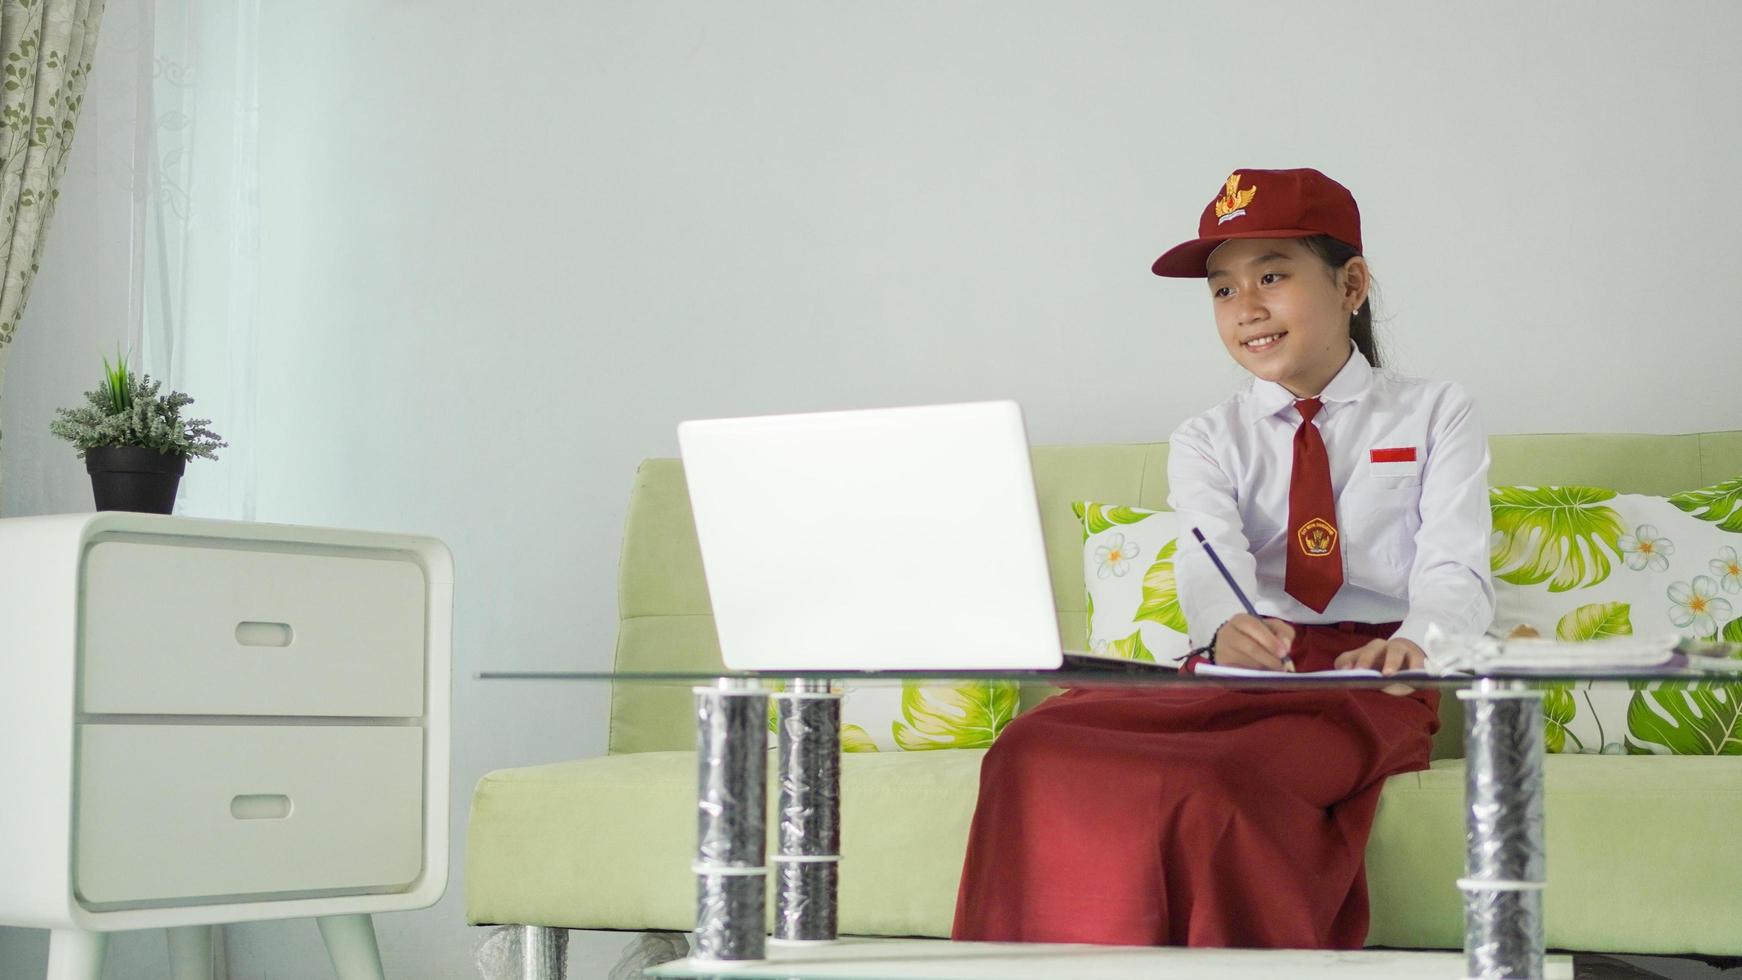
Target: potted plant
134,442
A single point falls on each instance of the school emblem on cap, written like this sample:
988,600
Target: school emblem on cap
1317,537
1232,203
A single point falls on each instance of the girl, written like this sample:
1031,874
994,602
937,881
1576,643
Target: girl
1350,503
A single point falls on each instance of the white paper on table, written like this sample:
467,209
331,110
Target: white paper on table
1490,654
1218,670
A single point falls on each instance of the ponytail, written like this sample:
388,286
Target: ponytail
1361,332
1336,253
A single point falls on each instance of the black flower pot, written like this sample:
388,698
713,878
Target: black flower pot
132,478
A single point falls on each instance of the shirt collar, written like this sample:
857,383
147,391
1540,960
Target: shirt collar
1266,398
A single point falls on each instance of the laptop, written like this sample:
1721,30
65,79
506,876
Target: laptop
894,539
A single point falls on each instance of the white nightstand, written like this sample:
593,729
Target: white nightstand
210,722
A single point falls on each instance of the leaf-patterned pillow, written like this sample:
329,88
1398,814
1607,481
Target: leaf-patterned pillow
1132,600
920,715
1587,562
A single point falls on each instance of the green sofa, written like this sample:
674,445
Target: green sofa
1645,853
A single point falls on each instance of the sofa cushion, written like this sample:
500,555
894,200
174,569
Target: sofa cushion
1635,853
607,843
1130,598
1581,563
919,715
1637,859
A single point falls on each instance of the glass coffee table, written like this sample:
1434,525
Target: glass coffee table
1502,886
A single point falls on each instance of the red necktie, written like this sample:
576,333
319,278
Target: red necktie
1315,555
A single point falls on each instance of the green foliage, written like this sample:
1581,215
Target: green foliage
1589,622
1100,517
1131,648
126,410
1558,711
1720,503
856,739
1702,720
1595,622
963,716
1554,534
1161,592
117,385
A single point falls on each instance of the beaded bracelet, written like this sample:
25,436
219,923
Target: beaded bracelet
1208,650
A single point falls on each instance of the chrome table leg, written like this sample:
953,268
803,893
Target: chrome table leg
808,716
731,821
1505,865
543,953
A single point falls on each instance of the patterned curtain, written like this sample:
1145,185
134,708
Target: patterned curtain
45,57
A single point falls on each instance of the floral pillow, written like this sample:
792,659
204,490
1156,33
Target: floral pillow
919,715
1582,563
1132,601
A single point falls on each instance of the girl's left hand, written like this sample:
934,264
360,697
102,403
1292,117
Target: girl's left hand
1385,656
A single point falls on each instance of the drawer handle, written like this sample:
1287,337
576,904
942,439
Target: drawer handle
260,806
263,634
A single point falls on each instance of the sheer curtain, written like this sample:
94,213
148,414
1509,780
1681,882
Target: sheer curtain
201,235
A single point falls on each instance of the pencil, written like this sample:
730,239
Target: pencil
1239,593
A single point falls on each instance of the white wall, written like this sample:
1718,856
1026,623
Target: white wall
505,249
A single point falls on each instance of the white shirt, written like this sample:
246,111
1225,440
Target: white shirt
1414,534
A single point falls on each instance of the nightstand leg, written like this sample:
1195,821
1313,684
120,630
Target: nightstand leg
351,944
190,952
74,954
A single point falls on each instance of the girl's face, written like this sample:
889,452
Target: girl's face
1284,315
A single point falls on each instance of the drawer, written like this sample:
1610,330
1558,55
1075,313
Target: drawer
187,812
172,629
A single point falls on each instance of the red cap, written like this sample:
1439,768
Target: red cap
1266,204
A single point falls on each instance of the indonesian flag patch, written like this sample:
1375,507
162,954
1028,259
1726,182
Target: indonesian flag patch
1392,461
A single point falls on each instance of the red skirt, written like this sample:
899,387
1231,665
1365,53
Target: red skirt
1190,815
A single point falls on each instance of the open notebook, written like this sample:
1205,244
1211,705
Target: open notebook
1217,670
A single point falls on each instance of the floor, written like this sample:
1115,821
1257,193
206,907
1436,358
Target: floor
927,959
1603,966
605,956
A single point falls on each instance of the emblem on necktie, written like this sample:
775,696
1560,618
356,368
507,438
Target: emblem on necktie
1317,538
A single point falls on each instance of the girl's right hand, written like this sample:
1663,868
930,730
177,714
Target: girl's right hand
1247,641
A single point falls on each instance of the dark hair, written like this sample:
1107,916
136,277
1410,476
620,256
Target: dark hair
1336,253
